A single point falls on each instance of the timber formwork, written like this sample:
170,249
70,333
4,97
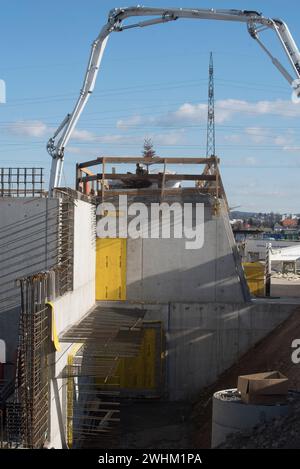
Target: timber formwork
93,388
206,181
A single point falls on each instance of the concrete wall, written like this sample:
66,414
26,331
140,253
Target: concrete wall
28,244
69,309
163,270
205,339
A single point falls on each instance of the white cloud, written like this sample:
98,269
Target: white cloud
257,134
189,113
28,128
83,135
166,138
282,140
170,138
131,121
225,110
292,148
279,107
40,129
76,150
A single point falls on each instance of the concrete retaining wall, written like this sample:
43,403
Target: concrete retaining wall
163,270
205,339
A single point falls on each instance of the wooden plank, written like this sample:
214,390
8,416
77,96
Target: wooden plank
140,159
87,171
152,177
150,192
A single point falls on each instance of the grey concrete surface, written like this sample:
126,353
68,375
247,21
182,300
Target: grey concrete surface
205,339
28,244
164,270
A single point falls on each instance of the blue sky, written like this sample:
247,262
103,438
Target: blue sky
153,84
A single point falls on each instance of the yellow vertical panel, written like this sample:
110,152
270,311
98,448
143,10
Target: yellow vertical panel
111,269
139,372
143,371
70,403
70,393
150,365
254,273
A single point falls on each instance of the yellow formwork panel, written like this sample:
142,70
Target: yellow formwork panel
54,336
140,372
255,276
70,393
111,269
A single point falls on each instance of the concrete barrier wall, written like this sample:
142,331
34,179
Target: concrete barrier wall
163,270
69,309
206,339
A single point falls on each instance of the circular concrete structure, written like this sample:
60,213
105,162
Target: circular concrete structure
231,415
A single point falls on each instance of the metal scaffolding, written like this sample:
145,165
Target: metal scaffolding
27,412
22,182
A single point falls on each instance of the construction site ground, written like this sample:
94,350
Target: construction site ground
156,424
160,424
285,287
272,353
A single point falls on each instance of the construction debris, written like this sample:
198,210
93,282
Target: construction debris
290,276
263,388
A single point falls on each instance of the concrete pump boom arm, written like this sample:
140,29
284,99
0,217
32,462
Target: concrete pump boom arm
255,21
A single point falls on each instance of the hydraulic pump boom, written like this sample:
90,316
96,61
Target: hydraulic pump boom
256,23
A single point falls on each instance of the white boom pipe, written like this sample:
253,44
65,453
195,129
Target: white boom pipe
114,24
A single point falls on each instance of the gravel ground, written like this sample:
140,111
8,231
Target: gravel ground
281,433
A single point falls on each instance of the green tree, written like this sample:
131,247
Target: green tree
148,150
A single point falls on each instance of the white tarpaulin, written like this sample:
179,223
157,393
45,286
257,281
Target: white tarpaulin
288,254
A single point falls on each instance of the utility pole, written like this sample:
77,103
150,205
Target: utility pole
211,138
